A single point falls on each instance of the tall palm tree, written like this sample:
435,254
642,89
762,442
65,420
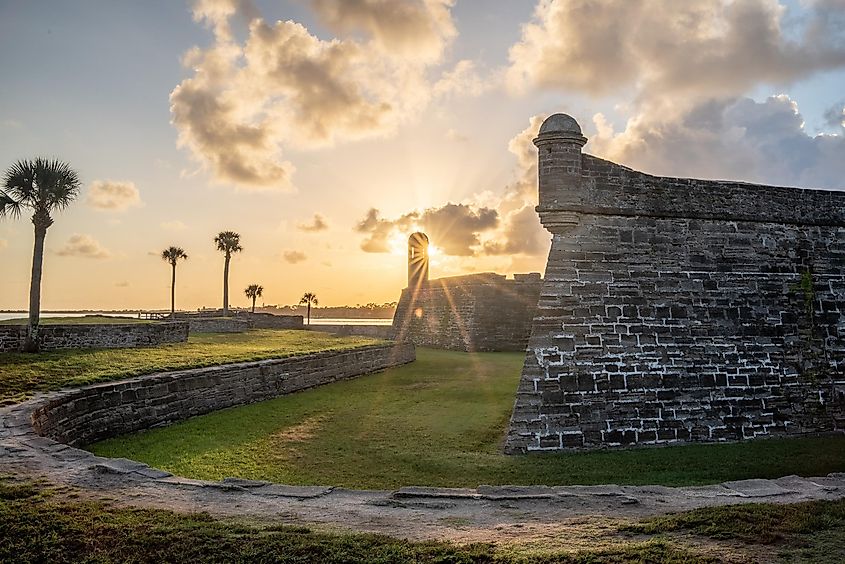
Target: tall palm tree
43,186
308,298
228,242
253,291
172,255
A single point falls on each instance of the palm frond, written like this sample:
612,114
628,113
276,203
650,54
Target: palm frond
253,291
173,254
43,185
19,183
9,206
228,242
308,297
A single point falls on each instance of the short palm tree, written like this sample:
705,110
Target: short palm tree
228,242
172,255
43,186
253,291
308,298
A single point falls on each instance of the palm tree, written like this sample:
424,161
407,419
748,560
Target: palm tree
44,186
171,255
253,291
308,298
228,242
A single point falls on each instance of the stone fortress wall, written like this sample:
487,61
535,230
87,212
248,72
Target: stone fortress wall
477,312
375,331
103,336
85,415
214,322
679,309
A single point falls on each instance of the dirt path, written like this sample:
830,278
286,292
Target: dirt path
495,514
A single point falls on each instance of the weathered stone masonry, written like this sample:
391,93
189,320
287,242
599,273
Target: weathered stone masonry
85,415
679,309
477,312
104,336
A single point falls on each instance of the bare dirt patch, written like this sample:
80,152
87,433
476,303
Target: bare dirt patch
303,431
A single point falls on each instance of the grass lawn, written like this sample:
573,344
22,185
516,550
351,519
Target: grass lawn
21,375
438,421
36,525
86,320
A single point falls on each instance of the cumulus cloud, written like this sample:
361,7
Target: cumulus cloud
283,86
521,231
113,195
85,246
835,116
174,225
462,80
708,47
294,257
418,29
685,70
317,223
733,137
491,224
453,134
456,228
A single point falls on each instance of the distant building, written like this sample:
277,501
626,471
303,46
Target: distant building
478,312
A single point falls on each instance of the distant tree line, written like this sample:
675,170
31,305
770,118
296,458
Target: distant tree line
47,186
367,311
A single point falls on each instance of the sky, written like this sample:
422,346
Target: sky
326,131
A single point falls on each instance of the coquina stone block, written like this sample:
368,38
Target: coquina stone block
678,309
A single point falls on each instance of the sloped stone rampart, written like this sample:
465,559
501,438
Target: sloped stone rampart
85,415
95,336
680,309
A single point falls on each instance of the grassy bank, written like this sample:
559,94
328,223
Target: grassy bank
440,422
37,525
21,375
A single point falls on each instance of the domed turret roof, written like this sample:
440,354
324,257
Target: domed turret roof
560,123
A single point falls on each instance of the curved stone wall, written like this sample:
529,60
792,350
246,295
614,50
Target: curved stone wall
376,331
96,336
85,415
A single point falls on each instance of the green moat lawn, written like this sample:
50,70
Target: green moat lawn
439,421
21,375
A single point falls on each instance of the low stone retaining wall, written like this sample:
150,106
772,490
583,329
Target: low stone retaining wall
11,337
85,415
375,331
96,336
218,325
270,321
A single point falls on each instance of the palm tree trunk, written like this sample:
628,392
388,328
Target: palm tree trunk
173,293
253,303
31,344
309,313
226,286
